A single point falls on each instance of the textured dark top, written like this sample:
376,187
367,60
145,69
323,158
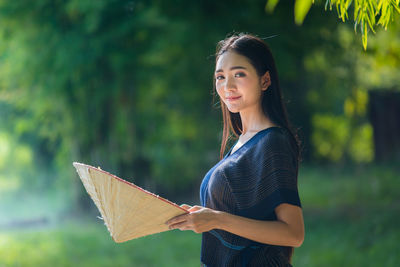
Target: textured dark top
250,182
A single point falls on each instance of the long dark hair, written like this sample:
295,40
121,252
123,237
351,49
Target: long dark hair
260,56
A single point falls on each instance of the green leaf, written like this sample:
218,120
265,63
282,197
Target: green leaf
301,8
365,35
326,5
270,5
396,5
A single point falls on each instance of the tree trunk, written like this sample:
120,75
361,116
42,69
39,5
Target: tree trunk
384,115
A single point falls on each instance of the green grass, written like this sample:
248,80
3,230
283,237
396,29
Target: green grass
351,217
88,244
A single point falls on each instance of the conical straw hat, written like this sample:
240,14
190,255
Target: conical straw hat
128,211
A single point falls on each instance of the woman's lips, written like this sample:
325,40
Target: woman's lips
232,98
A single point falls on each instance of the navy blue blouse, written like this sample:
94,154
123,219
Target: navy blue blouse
250,182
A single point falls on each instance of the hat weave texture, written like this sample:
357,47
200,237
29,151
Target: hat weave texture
128,211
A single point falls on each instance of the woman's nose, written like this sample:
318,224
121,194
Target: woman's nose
230,84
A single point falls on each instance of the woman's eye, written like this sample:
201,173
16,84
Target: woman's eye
240,74
219,77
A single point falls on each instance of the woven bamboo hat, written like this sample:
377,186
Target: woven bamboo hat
128,211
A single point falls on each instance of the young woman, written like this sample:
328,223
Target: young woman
251,213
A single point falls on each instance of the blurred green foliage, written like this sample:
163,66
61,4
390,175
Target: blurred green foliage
127,85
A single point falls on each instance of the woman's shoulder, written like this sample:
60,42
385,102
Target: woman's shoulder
274,140
275,134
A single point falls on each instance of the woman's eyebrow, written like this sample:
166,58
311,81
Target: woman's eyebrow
232,68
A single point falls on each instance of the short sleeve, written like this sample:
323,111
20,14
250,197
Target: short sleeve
268,177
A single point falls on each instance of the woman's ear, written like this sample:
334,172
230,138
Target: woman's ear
265,81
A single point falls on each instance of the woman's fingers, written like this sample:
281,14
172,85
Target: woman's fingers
182,222
198,219
186,206
181,226
177,219
195,208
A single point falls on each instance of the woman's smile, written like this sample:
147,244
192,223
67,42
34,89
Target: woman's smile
232,98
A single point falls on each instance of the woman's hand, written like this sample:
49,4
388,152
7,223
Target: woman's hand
287,230
199,219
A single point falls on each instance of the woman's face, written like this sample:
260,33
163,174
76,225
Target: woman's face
238,84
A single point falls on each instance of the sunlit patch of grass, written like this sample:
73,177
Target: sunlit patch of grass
351,216
89,244
337,240
332,187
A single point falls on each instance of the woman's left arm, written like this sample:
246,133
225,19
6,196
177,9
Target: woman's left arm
287,230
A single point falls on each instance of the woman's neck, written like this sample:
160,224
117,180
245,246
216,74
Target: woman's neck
254,121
